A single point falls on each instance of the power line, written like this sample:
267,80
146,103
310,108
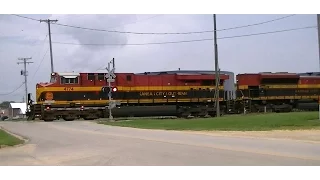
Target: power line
256,24
168,33
43,41
13,90
40,63
125,24
270,32
38,54
25,17
187,41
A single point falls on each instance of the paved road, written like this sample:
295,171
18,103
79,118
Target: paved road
87,143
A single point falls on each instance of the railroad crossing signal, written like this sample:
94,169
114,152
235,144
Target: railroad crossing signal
110,76
110,80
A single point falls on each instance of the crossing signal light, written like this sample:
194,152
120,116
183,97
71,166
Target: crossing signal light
107,89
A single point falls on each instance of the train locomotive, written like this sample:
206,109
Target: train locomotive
172,93
279,92
71,96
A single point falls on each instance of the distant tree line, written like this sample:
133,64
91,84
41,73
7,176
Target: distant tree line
5,104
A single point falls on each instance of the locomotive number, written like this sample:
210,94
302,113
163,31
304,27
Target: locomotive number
68,88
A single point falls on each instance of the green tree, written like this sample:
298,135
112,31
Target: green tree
5,104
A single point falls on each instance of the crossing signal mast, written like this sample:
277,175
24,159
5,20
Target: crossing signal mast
110,77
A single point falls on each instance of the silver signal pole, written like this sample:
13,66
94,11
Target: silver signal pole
110,76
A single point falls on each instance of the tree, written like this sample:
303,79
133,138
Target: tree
5,104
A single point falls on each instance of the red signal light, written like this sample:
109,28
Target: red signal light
114,89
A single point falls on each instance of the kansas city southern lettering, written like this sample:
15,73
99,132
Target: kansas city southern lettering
163,93
307,91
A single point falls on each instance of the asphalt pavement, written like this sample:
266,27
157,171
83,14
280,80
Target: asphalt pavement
88,143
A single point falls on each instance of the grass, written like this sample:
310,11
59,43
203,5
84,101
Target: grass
253,122
8,140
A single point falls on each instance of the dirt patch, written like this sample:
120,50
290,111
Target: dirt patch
299,135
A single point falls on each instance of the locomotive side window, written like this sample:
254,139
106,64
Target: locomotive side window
62,80
69,80
100,76
91,76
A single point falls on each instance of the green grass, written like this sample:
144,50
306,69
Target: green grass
253,122
8,140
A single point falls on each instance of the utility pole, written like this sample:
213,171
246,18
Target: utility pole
48,21
217,74
318,22
25,74
110,76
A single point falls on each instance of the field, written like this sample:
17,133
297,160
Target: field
253,122
8,140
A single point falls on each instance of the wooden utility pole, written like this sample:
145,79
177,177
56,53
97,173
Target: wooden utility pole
318,22
25,74
217,74
48,21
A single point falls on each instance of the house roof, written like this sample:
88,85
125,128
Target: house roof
21,106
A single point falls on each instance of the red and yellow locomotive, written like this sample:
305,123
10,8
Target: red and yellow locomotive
175,93
172,93
279,91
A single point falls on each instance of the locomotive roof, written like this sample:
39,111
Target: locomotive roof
179,72
273,74
309,74
186,72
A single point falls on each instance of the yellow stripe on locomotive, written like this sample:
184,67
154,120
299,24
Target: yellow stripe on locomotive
147,94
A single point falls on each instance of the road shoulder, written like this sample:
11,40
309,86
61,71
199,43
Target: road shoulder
311,136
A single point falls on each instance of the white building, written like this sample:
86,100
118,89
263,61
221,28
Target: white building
17,110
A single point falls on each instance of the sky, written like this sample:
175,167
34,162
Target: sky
291,51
